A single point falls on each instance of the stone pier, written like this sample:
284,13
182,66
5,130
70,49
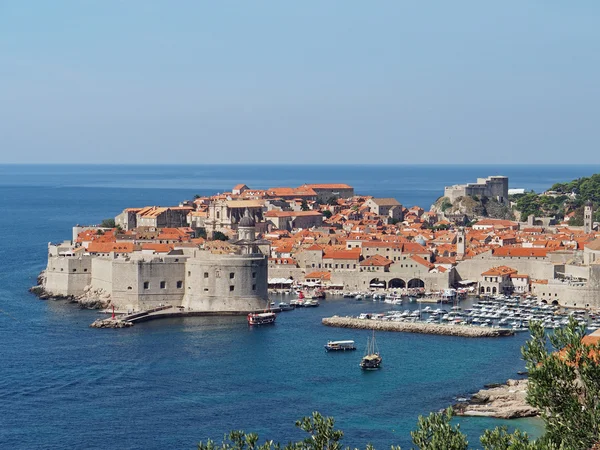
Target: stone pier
415,327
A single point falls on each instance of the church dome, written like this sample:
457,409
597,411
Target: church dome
247,221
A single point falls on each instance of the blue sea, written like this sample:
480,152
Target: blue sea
173,383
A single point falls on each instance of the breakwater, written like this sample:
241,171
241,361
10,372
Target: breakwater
415,327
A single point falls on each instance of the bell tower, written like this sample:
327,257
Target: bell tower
588,215
460,243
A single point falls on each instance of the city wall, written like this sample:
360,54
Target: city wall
226,283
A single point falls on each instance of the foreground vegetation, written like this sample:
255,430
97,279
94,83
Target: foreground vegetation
564,383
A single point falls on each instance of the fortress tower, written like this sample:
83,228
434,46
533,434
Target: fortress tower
588,215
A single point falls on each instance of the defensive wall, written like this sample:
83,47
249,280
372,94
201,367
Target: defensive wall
228,283
68,275
199,281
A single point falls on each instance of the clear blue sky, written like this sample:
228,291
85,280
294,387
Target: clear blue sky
303,81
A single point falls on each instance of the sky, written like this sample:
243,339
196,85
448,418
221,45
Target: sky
311,81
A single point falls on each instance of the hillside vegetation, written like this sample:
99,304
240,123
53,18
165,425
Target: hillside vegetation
560,202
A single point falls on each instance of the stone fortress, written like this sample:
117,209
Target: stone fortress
492,187
228,280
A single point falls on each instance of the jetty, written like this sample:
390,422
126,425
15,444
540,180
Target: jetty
415,327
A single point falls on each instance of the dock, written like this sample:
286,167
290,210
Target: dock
165,312
416,327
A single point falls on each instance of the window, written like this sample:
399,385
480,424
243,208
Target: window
85,270
189,273
163,284
74,270
231,275
129,288
179,284
205,274
231,288
146,285
253,287
205,289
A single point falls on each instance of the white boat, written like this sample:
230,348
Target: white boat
336,346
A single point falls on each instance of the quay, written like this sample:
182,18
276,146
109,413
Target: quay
416,327
164,312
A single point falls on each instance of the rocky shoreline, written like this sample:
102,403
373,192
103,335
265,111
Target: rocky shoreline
90,299
111,323
505,401
415,327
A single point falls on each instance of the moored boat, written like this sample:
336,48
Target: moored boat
285,306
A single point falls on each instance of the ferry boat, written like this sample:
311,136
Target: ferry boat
337,346
372,359
261,318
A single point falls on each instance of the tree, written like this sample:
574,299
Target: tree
435,432
304,205
219,236
107,223
327,213
565,385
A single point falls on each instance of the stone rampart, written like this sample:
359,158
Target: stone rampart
226,282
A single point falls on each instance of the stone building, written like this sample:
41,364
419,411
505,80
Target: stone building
154,216
228,282
225,215
289,220
492,187
389,207
325,192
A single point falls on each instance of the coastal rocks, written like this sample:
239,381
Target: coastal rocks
506,401
94,298
111,323
415,327
90,299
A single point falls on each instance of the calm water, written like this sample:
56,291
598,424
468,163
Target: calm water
170,384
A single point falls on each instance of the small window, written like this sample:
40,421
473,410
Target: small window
74,270
85,270
231,275
189,273
179,284
61,269
205,289
163,284
231,288
129,288
253,287
205,274
254,273
146,285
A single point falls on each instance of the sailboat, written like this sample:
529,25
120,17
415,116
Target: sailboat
372,358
